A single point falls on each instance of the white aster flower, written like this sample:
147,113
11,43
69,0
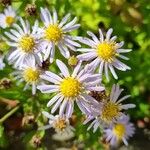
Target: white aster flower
61,124
70,88
2,64
104,53
120,131
7,18
30,74
110,110
26,43
55,33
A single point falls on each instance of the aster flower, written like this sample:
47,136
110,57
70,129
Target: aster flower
120,131
7,18
30,74
2,64
69,88
60,124
104,53
26,43
109,110
55,34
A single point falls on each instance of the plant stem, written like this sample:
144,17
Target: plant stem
9,114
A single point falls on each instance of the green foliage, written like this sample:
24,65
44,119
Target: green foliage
3,139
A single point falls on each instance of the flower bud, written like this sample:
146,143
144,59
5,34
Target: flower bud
30,9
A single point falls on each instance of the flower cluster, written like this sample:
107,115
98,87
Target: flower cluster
33,45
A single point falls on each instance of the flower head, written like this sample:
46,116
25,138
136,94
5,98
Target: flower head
109,110
7,18
104,53
60,124
55,33
30,74
119,131
27,44
71,88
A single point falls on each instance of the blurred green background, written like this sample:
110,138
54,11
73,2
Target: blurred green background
130,20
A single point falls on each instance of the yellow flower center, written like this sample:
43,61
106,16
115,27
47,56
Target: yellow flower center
53,33
119,130
10,20
72,61
60,124
106,51
27,43
110,111
31,75
70,87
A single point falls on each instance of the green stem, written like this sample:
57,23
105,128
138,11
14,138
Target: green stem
9,114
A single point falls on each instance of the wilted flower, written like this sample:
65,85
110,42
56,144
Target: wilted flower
104,53
70,88
120,131
26,42
54,33
7,18
61,124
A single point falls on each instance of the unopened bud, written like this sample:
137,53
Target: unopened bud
5,2
30,9
5,83
36,141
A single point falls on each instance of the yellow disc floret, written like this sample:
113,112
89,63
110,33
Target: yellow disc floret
53,33
60,124
31,75
72,61
119,130
27,43
110,111
9,20
106,51
70,87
